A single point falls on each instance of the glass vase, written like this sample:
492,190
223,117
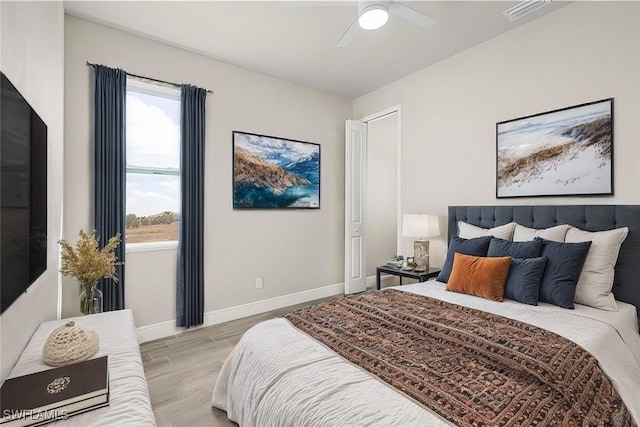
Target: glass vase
91,300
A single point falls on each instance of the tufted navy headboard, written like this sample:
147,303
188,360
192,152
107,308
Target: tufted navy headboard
626,286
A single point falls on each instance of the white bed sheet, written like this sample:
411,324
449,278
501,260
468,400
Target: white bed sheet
278,373
128,396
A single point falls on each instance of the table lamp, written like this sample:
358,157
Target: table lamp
420,226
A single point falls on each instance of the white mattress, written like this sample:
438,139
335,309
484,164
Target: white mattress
278,373
129,395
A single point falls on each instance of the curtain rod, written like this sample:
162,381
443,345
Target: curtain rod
148,78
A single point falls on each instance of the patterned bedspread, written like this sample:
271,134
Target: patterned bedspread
468,366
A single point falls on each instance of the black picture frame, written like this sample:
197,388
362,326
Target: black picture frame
272,172
563,152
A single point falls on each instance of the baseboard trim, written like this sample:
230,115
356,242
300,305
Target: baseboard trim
169,328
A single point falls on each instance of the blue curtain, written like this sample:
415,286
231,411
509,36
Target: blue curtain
190,280
110,169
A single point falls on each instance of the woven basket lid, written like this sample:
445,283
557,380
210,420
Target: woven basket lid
70,343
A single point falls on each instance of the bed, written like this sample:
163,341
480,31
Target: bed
278,375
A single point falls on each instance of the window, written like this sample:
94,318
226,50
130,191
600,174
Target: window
153,165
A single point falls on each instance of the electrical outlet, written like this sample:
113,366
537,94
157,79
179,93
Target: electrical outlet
259,283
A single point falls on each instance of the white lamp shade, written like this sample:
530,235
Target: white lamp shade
418,225
373,17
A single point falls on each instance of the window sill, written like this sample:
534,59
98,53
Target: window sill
150,246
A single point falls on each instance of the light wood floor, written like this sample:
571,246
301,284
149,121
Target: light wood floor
181,371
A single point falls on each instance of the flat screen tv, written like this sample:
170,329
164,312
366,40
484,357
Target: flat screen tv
23,194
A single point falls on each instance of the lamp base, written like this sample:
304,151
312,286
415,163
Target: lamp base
421,254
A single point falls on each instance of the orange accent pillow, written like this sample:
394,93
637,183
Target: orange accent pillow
480,276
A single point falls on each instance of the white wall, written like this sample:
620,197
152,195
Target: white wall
293,250
582,52
31,56
382,198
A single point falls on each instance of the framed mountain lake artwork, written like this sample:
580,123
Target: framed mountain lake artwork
565,152
275,173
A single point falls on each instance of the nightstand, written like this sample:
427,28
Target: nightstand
421,276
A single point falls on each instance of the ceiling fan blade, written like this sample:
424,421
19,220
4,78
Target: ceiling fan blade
350,34
411,15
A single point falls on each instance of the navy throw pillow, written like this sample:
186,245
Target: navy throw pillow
523,281
564,264
474,247
500,247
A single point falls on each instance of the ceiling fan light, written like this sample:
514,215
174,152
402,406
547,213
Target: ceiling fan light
373,17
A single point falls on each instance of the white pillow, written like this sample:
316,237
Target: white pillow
524,234
596,279
468,231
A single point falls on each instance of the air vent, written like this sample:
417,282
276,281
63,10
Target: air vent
524,8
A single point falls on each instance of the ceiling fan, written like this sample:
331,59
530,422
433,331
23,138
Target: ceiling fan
374,14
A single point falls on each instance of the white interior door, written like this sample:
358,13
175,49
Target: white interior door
382,192
355,267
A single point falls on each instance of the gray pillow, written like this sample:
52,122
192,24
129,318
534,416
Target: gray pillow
596,279
499,247
523,281
469,231
564,264
475,247
523,234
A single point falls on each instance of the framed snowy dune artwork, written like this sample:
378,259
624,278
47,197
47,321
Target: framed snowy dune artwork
565,152
275,173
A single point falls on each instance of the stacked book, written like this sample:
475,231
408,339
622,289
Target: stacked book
394,263
55,394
